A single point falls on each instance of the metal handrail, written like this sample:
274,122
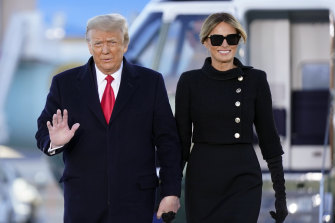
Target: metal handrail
323,165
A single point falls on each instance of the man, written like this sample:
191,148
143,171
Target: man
109,130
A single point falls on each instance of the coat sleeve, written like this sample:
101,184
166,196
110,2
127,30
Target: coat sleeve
183,116
269,141
53,103
167,143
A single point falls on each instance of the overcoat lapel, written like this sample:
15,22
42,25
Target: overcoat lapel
87,86
129,82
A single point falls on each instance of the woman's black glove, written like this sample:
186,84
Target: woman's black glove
275,166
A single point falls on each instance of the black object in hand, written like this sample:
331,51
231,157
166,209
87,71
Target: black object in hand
168,217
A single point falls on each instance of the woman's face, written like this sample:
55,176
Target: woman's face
223,55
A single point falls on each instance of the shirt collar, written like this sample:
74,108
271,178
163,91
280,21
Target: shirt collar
101,76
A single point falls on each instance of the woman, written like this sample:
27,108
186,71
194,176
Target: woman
216,107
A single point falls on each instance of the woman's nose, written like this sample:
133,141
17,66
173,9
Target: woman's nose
224,43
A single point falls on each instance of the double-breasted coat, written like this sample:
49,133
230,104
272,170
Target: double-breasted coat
110,171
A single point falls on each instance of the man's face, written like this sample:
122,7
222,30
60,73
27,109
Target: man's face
107,49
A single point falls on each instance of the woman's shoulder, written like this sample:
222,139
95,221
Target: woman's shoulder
191,74
256,74
258,79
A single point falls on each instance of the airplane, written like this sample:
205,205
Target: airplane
293,41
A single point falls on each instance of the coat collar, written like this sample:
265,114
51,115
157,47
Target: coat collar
87,85
212,73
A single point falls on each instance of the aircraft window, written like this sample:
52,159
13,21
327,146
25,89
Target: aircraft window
170,48
143,41
315,76
183,50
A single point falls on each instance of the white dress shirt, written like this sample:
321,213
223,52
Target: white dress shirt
101,82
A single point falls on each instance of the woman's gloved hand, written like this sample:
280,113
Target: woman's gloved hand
275,166
281,211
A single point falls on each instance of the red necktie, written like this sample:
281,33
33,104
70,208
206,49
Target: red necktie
108,99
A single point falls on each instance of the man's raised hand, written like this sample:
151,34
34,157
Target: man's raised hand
59,131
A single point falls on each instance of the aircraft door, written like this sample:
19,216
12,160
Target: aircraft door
293,47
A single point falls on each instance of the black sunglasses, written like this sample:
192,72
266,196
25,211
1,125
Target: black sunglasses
217,40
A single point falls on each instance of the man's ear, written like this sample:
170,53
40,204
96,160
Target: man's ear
89,45
125,49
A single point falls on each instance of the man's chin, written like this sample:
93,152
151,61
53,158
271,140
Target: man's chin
108,69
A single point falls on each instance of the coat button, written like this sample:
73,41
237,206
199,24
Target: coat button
238,90
240,78
237,104
237,135
237,120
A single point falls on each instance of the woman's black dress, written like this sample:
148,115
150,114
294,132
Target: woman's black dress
216,111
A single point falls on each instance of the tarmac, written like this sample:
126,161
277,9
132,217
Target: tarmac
34,168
